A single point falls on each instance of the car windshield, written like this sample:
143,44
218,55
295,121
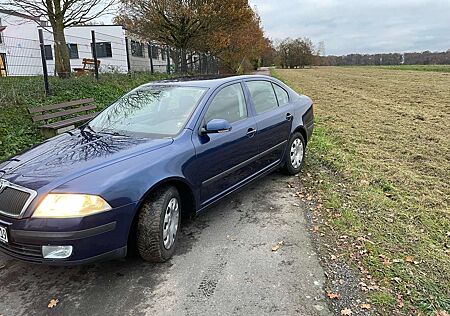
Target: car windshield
160,111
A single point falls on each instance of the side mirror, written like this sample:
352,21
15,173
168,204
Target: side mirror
216,126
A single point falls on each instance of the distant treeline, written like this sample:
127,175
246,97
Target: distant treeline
424,58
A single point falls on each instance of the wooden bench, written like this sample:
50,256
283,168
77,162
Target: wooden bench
59,118
88,66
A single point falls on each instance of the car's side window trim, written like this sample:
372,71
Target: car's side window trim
201,122
276,95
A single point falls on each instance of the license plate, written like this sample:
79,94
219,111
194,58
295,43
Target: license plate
3,235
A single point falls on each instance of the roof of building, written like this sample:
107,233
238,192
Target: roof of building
20,15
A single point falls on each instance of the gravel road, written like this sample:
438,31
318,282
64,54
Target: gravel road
224,266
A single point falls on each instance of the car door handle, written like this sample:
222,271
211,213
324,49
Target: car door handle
289,117
251,132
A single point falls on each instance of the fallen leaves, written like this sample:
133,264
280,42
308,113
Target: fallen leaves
333,296
400,302
53,302
346,312
442,313
365,306
277,246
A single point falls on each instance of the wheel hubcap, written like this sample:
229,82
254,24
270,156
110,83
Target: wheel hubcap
296,153
170,226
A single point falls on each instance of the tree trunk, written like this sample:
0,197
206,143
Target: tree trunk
62,60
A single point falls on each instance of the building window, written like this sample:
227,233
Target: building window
48,52
103,49
155,52
137,49
73,51
163,54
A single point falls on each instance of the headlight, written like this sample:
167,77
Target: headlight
70,205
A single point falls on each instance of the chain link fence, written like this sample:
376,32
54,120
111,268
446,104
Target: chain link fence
95,53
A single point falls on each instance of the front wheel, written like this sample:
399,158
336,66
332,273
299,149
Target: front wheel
158,225
295,154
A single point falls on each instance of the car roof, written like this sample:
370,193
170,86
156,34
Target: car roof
205,81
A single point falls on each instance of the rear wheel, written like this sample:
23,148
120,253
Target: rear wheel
158,225
295,154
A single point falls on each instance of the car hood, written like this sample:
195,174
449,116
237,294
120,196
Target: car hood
73,154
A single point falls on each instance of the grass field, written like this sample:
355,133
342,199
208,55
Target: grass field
437,68
380,160
17,131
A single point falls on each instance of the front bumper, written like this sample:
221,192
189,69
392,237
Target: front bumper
98,237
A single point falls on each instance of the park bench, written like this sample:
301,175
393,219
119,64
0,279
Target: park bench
59,118
88,66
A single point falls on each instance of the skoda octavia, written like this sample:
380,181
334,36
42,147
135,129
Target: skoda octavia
163,150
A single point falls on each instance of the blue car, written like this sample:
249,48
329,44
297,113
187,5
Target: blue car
163,150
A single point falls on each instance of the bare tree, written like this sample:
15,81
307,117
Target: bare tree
60,14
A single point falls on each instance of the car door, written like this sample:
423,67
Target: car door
223,160
273,120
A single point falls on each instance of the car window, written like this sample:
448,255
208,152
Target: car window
149,110
263,95
229,104
282,95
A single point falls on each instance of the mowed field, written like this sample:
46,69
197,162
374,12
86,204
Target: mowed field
380,160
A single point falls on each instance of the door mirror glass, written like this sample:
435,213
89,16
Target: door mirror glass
217,126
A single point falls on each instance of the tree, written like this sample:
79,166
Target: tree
242,46
60,14
203,25
294,53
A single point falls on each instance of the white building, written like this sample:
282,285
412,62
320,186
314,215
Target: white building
20,53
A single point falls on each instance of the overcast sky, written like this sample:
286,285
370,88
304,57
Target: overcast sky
360,26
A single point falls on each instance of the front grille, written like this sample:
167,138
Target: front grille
24,251
13,200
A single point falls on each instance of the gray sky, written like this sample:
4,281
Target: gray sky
360,26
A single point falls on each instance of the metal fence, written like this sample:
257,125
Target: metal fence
95,53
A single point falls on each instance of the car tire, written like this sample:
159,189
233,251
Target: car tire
159,219
295,154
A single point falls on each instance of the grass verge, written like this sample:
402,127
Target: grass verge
379,160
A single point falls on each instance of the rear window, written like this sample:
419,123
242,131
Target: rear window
282,95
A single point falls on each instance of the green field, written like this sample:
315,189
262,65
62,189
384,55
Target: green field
437,68
380,161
